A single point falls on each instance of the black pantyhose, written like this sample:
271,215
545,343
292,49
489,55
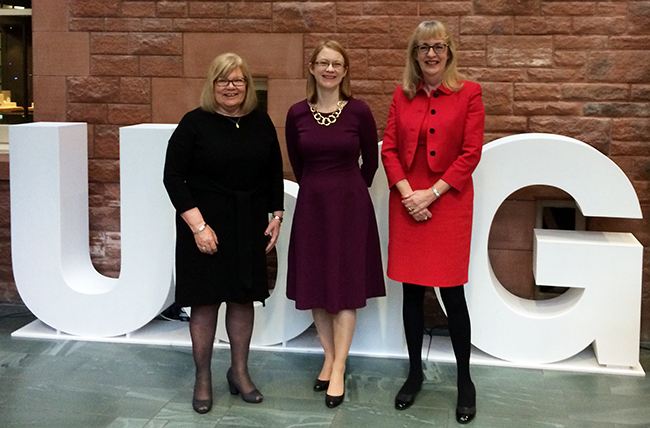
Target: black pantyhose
459,331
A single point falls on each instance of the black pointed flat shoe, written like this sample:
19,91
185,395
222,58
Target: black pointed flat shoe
465,415
321,385
403,401
333,401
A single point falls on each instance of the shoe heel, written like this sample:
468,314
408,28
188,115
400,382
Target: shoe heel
231,385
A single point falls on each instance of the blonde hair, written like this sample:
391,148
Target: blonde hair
220,68
344,88
413,74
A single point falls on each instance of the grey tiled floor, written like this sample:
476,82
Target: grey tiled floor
69,384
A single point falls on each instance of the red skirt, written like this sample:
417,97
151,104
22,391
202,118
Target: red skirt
433,253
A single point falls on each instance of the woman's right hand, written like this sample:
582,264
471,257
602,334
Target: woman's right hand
206,240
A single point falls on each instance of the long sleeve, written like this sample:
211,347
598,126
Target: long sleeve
390,150
178,163
368,143
460,171
291,134
276,176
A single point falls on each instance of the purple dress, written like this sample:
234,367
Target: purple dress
334,253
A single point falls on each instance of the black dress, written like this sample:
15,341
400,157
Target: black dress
234,176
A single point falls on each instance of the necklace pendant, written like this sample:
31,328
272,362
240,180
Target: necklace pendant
237,125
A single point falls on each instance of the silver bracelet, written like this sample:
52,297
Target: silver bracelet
277,217
200,229
435,192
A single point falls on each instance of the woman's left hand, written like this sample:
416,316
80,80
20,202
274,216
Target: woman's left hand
417,204
272,231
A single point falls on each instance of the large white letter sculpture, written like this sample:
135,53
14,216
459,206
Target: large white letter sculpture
55,277
602,269
49,230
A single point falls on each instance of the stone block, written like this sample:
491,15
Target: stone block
619,66
49,98
484,74
363,24
168,104
129,114
392,8
507,124
282,94
443,8
542,25
574,43
520,51
556,74
86,24
548,108
156,44
90,89
50,15
568,8
630,129
86,112
641,92
197,25
507,7
617,109
123,24
293,17
171,9
104,8
630,148
639,17
114,65
106,142
246,26
472,59
139,9
594,91
50,47
157,24
110,43
498,98
104,171
472,43
386,57
570,58
486,25
599,25
207,9
630,42
365,40
135,90
537,92
250,10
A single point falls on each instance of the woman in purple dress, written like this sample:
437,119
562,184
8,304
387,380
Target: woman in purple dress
334,253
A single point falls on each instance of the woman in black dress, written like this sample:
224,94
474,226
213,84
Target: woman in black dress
223,173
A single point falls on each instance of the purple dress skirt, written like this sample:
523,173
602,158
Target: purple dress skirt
334,253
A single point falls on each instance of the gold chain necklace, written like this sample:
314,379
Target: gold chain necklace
236,122
330,118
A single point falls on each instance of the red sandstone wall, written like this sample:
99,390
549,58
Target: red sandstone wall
577,68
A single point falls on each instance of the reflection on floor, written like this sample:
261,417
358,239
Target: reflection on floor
69,384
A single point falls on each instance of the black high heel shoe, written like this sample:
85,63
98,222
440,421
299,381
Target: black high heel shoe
202,406
255,396
406,395
321,385
333,401
465,414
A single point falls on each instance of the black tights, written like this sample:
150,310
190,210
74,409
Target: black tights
459,331
239,326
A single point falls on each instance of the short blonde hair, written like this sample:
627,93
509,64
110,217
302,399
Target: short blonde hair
413,74
344,88
220,68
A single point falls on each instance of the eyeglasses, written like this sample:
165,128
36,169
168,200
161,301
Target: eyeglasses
237,83
324,64
438,48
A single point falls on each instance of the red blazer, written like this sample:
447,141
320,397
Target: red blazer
455,136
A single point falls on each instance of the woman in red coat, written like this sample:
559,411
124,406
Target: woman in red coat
431,146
